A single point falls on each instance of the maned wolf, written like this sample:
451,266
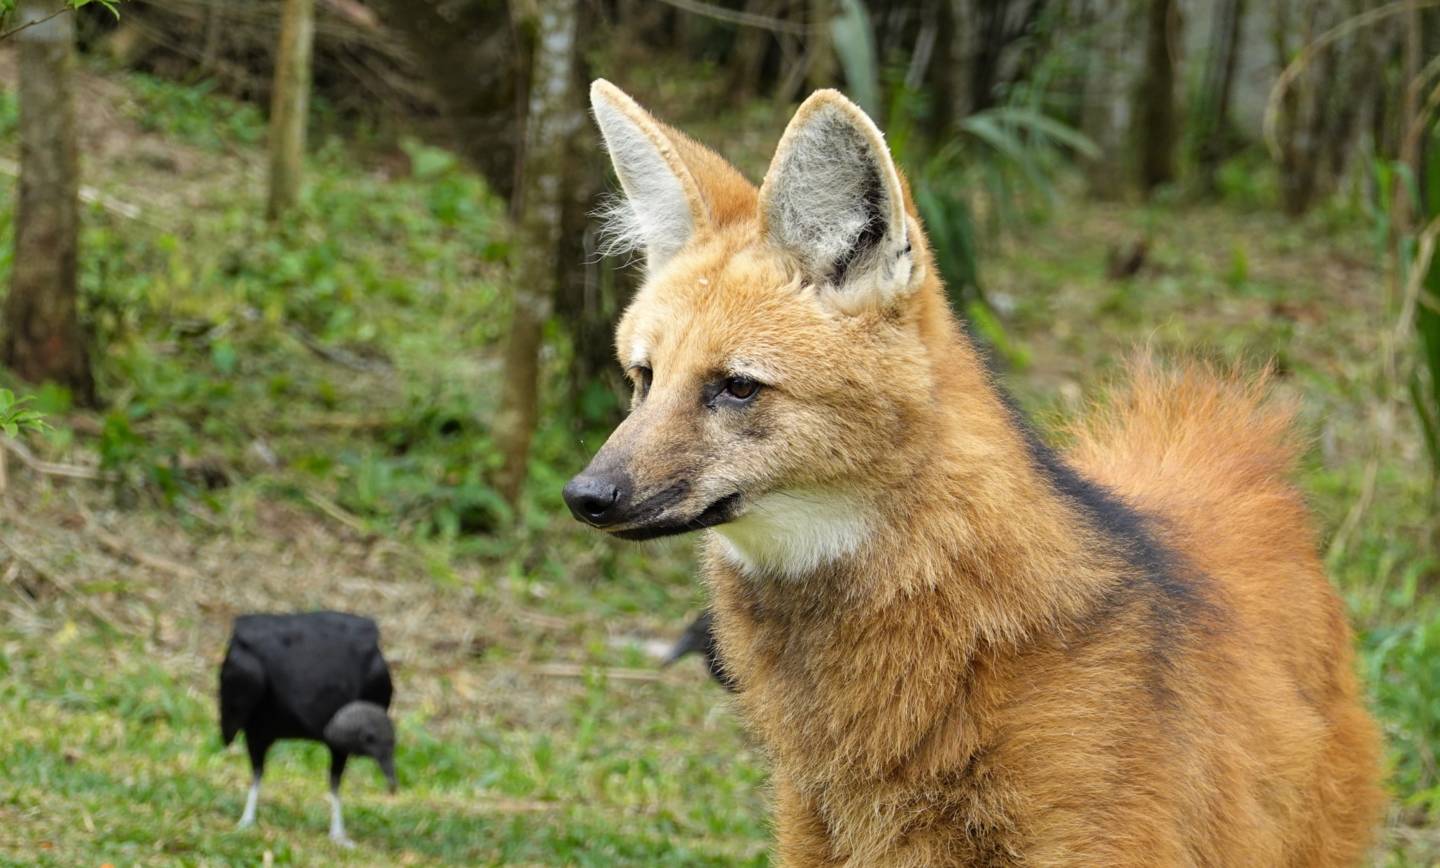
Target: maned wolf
959,647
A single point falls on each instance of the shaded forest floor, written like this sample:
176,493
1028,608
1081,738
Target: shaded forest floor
296,420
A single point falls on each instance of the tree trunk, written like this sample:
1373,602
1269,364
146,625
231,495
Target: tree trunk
944,76
43,340
985,62
214,24
820,66
1156,119
470,56
1301,113
477,61
1112,64
289,103
1409,120
589,298
747,59
553,119
1214,136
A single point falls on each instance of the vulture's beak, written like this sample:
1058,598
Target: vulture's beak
387,765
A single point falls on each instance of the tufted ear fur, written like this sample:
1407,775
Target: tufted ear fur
833,199
675,188
663,207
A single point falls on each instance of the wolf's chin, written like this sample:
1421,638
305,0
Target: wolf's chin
790,534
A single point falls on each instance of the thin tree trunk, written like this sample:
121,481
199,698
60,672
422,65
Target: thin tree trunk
946,70
1107,116
1409,144
289,104
820,65
470,56
1157,120
43,340
747,59
553,119
587,299
1301,108
214,21
1214,135
985,62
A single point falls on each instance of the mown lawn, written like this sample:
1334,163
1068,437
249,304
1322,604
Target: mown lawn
245,471
111,756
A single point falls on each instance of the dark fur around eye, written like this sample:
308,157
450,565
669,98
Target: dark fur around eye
642,375
732,391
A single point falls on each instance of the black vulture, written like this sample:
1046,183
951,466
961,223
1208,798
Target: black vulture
699,637
318,676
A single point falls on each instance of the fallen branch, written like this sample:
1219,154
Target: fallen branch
59,583
341,422
575,670
34,22
502,805
51,468
736,16
542,620
337,512
341,357
355,13
88,194
114,545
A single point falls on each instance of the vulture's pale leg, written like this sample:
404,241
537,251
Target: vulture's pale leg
337,822
247,819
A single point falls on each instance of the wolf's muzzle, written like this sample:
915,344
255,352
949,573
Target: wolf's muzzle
599,500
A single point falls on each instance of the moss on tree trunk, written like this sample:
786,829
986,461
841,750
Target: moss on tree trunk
553,119
43,340
289,105
1157,128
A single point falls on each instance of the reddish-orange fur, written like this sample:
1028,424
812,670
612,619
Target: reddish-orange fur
1005,672
921,725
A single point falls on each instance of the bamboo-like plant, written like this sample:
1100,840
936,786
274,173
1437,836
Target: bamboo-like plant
1407,209
1424,300
991,164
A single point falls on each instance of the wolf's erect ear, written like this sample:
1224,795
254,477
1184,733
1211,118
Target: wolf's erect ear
663,207
833,199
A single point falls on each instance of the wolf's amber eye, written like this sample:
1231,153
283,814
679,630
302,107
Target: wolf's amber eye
741,388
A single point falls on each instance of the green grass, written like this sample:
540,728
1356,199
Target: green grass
108,758
533,728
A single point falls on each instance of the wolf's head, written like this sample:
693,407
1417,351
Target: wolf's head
778,346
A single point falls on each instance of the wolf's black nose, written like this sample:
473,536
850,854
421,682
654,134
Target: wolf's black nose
595,500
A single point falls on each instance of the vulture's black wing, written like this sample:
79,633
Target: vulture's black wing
315,662
377,687
694,640
699,638
242,684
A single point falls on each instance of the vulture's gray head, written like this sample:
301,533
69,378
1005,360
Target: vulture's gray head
364,728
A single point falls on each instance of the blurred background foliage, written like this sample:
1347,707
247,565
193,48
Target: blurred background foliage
372,398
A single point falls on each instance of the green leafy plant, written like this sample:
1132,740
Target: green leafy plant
982,175
1405,680
999,167
1416,269
15,417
